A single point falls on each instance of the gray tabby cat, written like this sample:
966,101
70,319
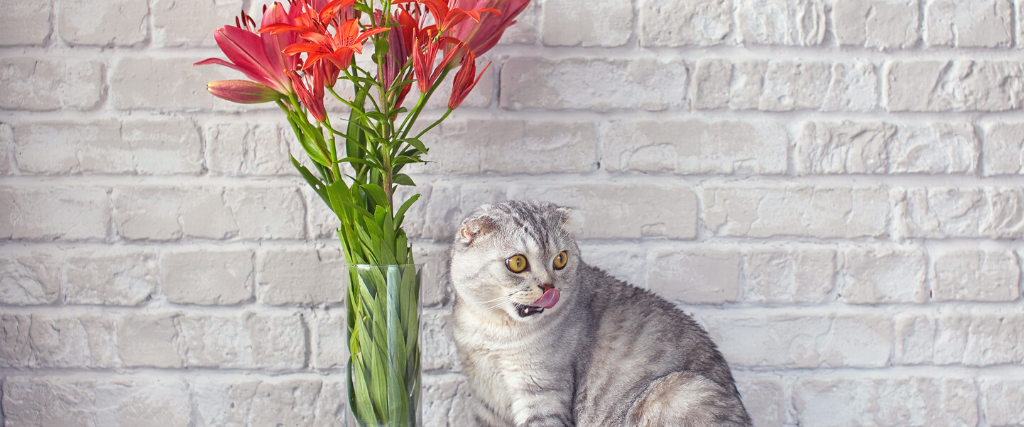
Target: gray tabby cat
547,340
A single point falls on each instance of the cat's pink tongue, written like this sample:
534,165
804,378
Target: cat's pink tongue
549,299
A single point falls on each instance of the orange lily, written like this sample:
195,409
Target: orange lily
464,82
313,100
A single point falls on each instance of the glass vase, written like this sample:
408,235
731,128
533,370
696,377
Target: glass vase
383,321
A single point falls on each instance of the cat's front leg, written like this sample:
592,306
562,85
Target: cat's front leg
543,410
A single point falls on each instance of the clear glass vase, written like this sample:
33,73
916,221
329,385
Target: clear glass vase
383,303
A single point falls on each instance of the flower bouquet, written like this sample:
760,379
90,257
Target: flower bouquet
296,55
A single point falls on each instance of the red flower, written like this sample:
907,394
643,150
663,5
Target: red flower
243,91
483,35
258,56
424,49
464,82
313,100
445,17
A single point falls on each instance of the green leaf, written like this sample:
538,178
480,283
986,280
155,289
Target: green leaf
309,145
377,193
318,186
403,179
400,216
415,143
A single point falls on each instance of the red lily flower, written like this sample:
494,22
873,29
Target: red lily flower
446,17
243,91
313,100
483,35
339,49
258,56
464,82
424,49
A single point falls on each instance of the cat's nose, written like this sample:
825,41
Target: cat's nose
546,286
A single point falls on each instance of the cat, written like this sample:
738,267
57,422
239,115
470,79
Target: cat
547,340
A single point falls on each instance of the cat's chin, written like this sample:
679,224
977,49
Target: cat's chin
525,311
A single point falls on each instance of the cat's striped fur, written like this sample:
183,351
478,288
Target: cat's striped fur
607,354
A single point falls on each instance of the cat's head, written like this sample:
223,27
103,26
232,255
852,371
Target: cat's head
517,257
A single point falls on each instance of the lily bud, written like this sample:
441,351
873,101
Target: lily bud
243,91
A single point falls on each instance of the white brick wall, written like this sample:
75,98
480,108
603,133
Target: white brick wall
832,187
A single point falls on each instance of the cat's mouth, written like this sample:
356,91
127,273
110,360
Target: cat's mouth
548,300
527,310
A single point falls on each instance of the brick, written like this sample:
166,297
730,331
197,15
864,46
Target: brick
6,149
847,147
942,212
30,277
125,22
882,24
323,223
89,400
208,277
854,87
606,23
287,400
445,401
979,340
596,84
915,339
824,212
435,285
705,276
149,340
186,24
975,275
55,213
719,83
689,23
935,148
300,277
1003,149
140,83
694,147
959,339
58,341
764,399
247,341
622,262
14,335
652,210
109,278
25,23
510,147
953,86
134,146
776,275
805,341
331,338
437,348
913,400
969,23
1001,400
882,275
170,213
249,148
792,86
784,22
35,84
841,86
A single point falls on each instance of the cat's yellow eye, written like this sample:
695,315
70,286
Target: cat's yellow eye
560,260
516,263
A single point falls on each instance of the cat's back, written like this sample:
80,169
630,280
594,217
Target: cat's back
638,338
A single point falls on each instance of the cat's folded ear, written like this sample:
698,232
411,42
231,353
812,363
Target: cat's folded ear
475,226
571,219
